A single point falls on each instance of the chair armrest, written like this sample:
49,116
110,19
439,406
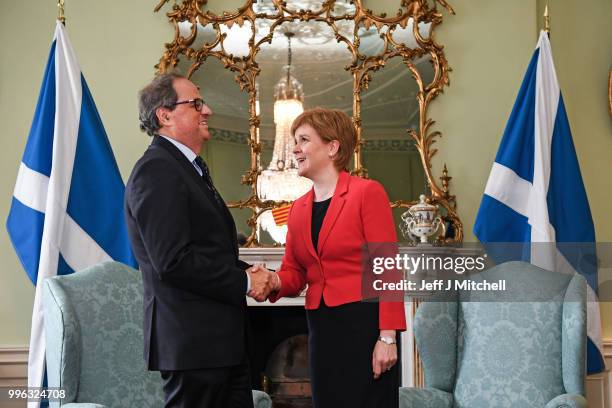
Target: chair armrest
424,398
261,399
83,405
568,401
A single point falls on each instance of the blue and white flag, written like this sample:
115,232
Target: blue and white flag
67,208
535,192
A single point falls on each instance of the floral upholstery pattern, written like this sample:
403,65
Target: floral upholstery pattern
425,398
524,348
93,326
436,336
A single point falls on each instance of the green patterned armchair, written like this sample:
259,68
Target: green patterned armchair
484,350
93,326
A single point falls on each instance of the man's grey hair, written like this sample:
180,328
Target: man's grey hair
158,94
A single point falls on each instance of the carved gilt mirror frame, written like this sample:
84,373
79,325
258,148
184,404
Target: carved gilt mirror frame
411,14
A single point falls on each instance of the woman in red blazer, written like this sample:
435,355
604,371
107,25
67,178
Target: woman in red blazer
352,344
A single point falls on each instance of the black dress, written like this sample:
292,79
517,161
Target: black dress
341,341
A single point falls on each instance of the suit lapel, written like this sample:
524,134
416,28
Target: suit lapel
334,210
185,164
197,179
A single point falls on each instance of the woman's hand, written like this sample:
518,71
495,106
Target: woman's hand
385,355
263,282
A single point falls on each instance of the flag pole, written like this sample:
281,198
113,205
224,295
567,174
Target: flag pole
546,20
61,18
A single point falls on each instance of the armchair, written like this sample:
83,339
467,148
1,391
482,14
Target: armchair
93,328
480,352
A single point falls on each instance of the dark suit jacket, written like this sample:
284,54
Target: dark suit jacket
185,243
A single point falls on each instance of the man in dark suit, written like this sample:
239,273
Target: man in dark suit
184,239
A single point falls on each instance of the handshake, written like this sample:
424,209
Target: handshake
263,282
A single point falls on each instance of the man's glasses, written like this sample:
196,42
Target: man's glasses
197,103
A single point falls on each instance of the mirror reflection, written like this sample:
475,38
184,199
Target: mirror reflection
378,8
303,67
389,108
229,130
343,8
370,42
235,41
405,35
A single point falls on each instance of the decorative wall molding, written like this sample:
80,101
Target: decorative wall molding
377,145
607,346
13,366
389,145
224,135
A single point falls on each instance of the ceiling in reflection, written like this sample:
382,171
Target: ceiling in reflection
318,61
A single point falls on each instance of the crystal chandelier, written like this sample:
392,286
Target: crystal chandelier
280,181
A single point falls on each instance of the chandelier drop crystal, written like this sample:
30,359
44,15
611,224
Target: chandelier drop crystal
280,181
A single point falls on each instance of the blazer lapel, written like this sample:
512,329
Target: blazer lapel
307,231
193,174
187,167
334,210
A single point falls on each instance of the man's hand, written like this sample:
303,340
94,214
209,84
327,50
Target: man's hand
262,282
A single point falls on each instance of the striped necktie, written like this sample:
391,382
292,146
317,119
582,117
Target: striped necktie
207,180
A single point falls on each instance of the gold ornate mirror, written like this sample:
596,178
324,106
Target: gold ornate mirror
260,64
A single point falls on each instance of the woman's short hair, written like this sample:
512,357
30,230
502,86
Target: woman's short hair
331,124
160,93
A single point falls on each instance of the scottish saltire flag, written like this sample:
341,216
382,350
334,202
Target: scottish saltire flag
535,192
67,208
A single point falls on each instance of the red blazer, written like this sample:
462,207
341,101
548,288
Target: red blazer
359,212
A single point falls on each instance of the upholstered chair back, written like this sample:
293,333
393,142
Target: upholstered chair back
93,325
519,348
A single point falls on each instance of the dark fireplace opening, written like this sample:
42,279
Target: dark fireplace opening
278,348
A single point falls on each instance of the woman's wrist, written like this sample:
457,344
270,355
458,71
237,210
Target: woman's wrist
388,337
277,283
388,333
